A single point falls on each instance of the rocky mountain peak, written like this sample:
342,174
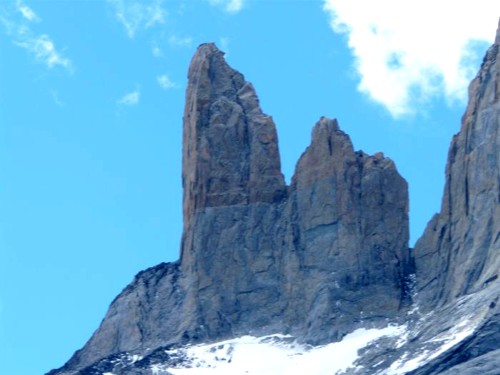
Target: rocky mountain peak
313,259
330,148
230,148
321,257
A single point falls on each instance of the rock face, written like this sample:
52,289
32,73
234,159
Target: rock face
458,257
459,250
346,236
315,259
322,256
133,317
230,149
233,190
263,257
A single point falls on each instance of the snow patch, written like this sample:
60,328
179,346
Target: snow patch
135,358
159,370
278,355
448,340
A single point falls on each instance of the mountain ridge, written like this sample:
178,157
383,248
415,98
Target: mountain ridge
323,256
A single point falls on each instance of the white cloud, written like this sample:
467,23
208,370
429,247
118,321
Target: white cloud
130,99
45,51
409,51
165,82
136,15
41,46
27,12
230,6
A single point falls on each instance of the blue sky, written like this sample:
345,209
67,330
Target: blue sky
91,103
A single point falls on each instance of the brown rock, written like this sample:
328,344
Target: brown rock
230,149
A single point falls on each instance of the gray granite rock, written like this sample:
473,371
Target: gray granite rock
486,364
346,237
459,250
313,259
132,319
320,257
230,148
316,259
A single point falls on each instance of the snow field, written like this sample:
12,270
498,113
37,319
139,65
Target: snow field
279,355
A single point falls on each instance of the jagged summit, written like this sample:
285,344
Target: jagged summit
320,258
246,245
230,148
313,259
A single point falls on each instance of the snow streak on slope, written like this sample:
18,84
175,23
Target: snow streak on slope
445,341
275,355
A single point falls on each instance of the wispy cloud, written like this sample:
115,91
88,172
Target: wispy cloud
179,41
408,52
44,50
41,46
27,12
165,82
230,6
130,99
57,100
135,15
173,40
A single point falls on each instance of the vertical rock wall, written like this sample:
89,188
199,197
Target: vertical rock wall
347,235
459,251
315,259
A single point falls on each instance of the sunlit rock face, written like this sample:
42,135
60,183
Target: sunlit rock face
312,258
315,258
270,268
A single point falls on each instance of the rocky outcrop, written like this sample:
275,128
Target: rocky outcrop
322,256
132,319
230,148
233,190
316,259
347,235
459,250
264,258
